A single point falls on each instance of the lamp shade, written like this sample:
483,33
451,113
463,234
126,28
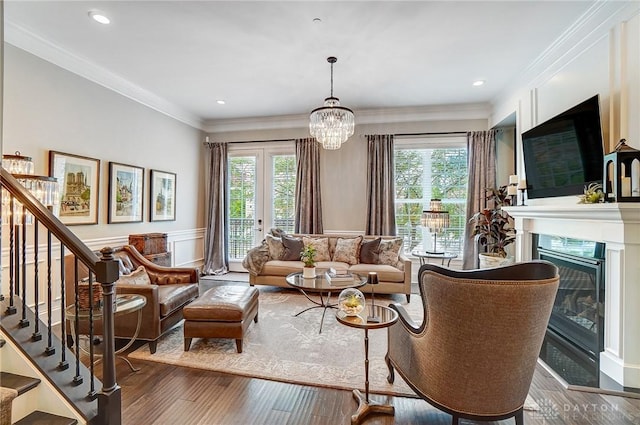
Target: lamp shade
435,218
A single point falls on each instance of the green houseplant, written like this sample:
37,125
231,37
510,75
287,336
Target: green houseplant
308,257
494,226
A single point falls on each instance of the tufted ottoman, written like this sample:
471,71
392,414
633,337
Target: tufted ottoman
221,312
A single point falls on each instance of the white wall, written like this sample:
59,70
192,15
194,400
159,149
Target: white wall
599,55
48,108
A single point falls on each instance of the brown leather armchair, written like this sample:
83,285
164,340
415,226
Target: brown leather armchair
170,290
474,354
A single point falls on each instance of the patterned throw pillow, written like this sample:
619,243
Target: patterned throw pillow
389,251
276,248
321,245
369,251
138,277
347,250
292,248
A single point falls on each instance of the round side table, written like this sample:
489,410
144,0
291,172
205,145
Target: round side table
386,317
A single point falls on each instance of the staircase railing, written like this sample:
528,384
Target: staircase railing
23,305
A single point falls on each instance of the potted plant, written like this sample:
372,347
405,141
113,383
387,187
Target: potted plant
494,228
308,257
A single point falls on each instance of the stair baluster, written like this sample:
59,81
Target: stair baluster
50,350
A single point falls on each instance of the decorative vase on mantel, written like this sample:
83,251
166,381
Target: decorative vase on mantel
308,272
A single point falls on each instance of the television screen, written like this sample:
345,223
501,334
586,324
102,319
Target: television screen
564,154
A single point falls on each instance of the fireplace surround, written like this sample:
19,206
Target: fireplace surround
617,226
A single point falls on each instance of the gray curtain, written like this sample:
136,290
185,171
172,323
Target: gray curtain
381,212
216,259
308,196
481,151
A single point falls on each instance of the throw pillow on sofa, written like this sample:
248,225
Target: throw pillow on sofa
389,251
369,251
292,248
321,245
347,250
276,248
138,277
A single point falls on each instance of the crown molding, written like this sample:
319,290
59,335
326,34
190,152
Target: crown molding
465,111
51,52
591,27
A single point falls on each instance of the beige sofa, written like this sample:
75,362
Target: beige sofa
266,269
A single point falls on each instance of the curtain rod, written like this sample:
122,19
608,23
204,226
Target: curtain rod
256,141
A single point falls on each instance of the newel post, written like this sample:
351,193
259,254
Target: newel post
109,399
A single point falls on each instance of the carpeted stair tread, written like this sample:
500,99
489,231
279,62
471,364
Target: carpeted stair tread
20,383
43,418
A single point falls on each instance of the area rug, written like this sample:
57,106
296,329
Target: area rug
285,348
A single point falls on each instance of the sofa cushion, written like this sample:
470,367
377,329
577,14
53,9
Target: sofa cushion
138,277
292,248
385,272
347,250
172,297
276,248
369,251
321,246
389,251
281,267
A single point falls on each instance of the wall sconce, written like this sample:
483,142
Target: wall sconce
436,220
622,174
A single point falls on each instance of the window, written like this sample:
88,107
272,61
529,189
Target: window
425,169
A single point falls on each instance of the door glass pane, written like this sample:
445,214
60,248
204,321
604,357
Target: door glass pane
283,170
242,205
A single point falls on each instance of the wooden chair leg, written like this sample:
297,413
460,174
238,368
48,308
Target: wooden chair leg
455,420
408,298
239,345
391,377
187,344
153,346
519,416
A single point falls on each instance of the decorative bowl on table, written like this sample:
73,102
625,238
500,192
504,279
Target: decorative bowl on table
351,301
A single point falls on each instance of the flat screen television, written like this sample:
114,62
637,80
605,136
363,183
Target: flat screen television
564,154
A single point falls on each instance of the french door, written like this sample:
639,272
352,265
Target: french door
261,196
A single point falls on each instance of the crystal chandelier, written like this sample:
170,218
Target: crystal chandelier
331,124
44,188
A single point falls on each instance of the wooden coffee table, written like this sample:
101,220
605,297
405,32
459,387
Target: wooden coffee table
321,285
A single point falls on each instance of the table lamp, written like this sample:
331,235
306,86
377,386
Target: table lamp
436,220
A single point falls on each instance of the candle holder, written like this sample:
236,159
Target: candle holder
522,186
372,280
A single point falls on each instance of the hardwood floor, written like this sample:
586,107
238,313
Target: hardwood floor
167,394
164,394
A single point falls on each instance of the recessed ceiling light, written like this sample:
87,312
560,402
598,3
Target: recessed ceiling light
317,20
220,102
99,17
478,83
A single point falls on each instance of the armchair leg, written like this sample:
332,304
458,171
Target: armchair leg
187,344
153,346
391,377
455,420
519,416
408,298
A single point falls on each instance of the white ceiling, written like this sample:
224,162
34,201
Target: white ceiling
268,58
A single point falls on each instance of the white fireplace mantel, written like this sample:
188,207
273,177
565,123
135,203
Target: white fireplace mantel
618,226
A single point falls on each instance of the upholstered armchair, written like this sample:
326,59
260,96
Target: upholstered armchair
475,352
167,290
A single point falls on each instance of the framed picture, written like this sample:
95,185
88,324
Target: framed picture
162,205
126,186
78,184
